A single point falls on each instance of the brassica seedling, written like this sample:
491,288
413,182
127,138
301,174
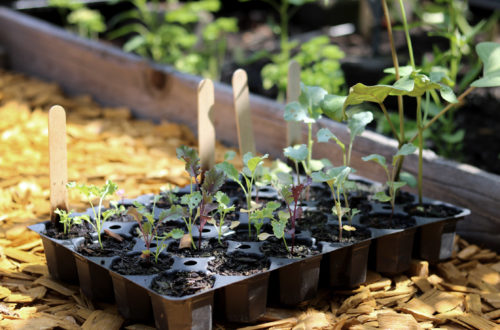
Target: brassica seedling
148,229
336,179
249,174
223,209
257,217
91,192
67,220
393,185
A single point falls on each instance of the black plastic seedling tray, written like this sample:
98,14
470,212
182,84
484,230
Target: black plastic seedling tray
244,298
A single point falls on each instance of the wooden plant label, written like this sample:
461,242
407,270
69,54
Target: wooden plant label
58,161
293,129
243,115
206,129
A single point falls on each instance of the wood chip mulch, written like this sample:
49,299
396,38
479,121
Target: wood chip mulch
107,143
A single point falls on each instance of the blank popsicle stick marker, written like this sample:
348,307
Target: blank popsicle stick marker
58,161
293,129
206,129
243,115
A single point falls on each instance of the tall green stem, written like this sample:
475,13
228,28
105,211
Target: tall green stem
420,148
407,33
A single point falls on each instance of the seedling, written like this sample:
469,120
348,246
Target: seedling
336,179
91,192
257,217
66,219
393,185
356,124
223,209
247,178
291,195
148,229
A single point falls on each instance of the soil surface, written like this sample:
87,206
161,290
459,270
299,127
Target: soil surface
312,219
238,263
209,248
276,248
75,231
385,221
330,233
111,246
121,218
133,264
431,210
179,284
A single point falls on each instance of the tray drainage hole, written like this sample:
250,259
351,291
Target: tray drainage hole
244,246
102,262
115,227
152,245
387,207
206,230
190,263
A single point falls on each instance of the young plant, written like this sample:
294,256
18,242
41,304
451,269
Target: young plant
356,124
223,209
291,194
88,23
66,219
392,183
257,217
245,179
336,179
91,192
148,229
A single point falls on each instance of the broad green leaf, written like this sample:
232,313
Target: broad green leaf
489,52
263,236
278,228
191,200
246,157
284,216
492,80
228,168
405,150
176,233
214,179
358,122
376,158
173,213
295,111
297,153
324,135
396,184
229,155
332,106
320,177
273,205
381,196
316,165
447,93
254,162
405,84
222,198
403,70
408,178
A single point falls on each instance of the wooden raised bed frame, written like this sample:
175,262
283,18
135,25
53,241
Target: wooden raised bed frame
158,92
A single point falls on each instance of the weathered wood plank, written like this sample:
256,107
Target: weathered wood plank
115,78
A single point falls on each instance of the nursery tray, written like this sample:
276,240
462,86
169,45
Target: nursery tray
244,298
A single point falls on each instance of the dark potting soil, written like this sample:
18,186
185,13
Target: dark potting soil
404,197
75,231
360,202
111,246
431,210
274,247
179,284
209,248
330,233
133,264
241,233
165,227
385,221
311,219
121,218
238,264
233,189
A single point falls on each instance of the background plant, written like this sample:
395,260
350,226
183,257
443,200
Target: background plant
86,22
223,209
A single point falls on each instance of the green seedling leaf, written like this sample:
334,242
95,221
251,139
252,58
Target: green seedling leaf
278,228
405,150
295,111
229,155
489,53
376,158
316,165
192,200
381,196
396,184
173,213
324,135
311,97
358,122
403,70
222,198
447,94
176,233
254,162
332,106
229,169
408,178
297,153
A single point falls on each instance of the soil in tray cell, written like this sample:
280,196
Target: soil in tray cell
431,210
133,264
273,247
238,263
386,221
121,218
76,231
241,233
182,283
311,219
111,246
209,248
330,233
165,227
